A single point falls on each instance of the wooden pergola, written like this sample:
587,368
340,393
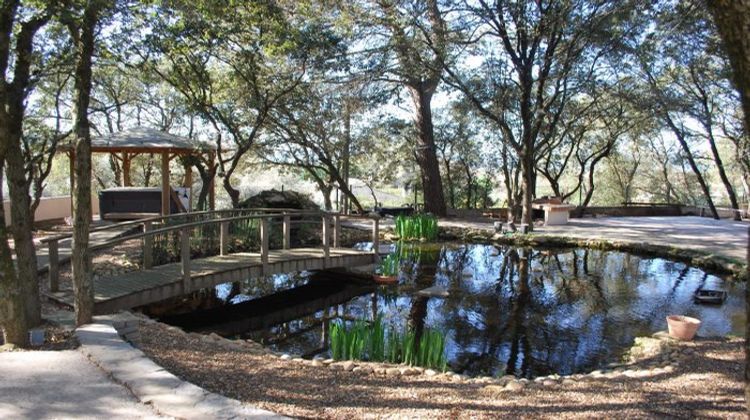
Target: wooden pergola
126,145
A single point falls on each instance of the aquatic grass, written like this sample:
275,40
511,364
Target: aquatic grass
390,265
417,227
417,253
376,344
431,351
349,343
372,341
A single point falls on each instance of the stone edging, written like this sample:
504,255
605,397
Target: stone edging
711,262
649,356
150,383
703,260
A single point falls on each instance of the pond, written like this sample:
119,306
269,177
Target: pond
504,310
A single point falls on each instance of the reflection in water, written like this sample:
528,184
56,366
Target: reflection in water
511,310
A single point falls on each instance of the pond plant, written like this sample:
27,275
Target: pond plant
389,266
419,227
372,341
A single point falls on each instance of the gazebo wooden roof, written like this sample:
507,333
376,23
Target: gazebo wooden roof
146,140
127,144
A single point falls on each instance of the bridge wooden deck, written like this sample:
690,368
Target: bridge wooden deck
165,281
156,283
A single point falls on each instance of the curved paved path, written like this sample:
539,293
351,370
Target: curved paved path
62,384
724,237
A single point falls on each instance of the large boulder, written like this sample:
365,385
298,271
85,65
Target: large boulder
276,199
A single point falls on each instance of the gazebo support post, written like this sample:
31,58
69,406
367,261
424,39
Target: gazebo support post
165,193
126,182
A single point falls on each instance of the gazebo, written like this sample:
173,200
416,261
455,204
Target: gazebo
126,145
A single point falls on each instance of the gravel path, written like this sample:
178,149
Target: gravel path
707,382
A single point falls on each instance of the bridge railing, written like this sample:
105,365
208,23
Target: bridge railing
216,235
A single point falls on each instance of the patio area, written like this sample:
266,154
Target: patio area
724,238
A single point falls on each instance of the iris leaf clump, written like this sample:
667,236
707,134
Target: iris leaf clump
374,342
422,227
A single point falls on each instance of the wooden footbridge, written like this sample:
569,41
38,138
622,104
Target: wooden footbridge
188,252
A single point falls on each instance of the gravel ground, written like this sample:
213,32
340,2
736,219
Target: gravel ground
707,382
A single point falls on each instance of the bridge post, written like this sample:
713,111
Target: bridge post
148,247
264,233
224,238
376,238
326,241
185,258
287,226
54,266
336,230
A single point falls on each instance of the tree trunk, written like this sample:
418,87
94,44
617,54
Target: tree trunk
234,194
206,176
22,221
451,187
81,259
327,203
346,156
693,165
724,179
469,186
527,185
324,187
347,192
732,17
12,305
432,185
19,291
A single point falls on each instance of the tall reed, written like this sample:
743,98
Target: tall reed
390,265
417,227
374,342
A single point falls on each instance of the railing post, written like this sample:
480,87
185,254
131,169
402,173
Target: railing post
224,238
287,226
148,247
336,230
376,238
326,241
264,233
54,266
185,258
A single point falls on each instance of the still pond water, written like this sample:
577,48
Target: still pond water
504,310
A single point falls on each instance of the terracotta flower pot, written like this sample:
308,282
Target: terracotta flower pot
384,279
682,327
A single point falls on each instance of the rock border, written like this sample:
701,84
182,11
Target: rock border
649,356
150,383
711,262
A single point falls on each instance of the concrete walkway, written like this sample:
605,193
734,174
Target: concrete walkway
105,378
724,238
62,384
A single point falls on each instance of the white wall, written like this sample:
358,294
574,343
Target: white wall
52,208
